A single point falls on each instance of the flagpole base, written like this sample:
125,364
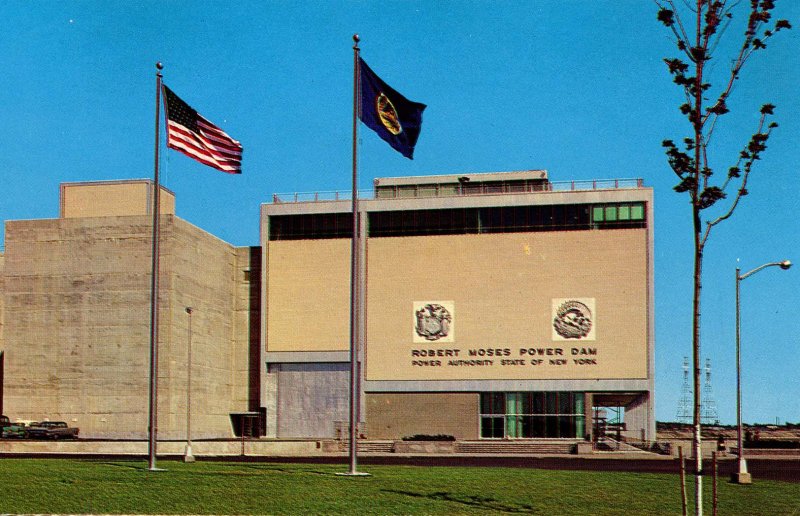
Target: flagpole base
353,474
187,456
742,478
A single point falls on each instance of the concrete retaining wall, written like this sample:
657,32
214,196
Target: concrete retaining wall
140,448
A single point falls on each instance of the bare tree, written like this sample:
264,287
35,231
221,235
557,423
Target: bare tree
697,27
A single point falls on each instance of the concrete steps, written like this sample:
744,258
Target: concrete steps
367,446
527,446
612,445
374,446
544,446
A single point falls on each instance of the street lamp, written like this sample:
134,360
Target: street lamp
188,457
742,476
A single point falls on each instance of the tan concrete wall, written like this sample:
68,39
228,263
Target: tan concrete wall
248,361
201,272
394,416
308,296
2,298
77,302
112,199
2,343
140,448
501,289
76,338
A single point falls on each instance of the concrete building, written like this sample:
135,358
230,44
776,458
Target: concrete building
497,306
75,313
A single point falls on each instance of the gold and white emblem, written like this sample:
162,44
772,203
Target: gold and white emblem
388,114
573,319
433,321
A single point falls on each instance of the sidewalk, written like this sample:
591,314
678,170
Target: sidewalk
280,448
324,448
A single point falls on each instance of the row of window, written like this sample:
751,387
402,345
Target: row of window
618,212
531,427
532,403
459,221
461,188
532,414
311,226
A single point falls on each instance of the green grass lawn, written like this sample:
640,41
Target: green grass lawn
73,486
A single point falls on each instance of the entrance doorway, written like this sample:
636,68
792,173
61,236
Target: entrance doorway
526,415
608,422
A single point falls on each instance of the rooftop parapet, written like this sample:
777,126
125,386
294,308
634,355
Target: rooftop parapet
386,190
112,199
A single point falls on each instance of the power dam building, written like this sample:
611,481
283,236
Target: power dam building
496,306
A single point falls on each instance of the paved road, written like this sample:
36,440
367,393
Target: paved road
786,470
783,469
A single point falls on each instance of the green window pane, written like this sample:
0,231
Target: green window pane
624,213
611,213
579,404
637,212
580,427
597,214
514,426
512,403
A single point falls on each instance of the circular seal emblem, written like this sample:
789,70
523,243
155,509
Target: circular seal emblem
433,322
573,320
388,114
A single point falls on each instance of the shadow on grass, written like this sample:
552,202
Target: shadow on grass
127,465
286,470
471,501
232,469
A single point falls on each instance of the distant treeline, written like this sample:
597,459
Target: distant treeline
671,425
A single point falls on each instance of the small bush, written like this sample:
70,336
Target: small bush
425,437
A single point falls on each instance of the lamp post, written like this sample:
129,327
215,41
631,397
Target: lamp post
188,457
742,476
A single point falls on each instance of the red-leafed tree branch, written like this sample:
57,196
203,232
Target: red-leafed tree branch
697,29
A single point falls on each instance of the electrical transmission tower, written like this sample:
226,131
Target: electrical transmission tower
708,411
684,414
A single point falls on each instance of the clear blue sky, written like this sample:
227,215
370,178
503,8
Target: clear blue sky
578,88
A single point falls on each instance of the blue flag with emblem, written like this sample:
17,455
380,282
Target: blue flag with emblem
396,119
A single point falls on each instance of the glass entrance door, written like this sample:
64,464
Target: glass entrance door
525,415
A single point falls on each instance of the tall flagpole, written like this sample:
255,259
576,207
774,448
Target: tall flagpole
152,428
355,275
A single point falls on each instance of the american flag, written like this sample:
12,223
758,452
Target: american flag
193,135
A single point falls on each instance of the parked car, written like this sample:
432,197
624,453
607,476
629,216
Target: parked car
14,431
51,430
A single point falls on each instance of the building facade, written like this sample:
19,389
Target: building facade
497,306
